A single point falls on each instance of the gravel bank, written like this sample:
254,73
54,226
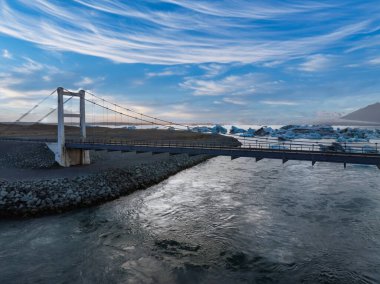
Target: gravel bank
41,197
32,184
26,156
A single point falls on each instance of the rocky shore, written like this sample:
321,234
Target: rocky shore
41,197
32,184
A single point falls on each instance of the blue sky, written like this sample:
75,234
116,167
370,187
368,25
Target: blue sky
232,61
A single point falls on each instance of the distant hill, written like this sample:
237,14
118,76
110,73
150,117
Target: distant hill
369,113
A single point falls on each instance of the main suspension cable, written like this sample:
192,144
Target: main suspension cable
34,107
50,112
136,112
127,115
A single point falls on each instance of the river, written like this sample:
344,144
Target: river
222,221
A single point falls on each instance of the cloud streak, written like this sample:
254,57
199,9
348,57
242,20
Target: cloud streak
315,63
230,85
86,81
279,103
144,32
6,54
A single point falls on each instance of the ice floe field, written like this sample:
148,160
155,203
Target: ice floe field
303,137
330,138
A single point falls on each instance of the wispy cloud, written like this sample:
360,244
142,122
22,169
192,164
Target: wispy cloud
234,101
28,67
279,103
228,55
86,81
213,69
15,101
245,9
160,74
315,63
46,78
179,111
6,54
18,91
374,61
9,90
182,35
6,80
230,85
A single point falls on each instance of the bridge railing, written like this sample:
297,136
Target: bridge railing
368,149
355,148
324,146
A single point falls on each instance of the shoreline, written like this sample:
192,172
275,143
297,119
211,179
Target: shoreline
32,184
34,198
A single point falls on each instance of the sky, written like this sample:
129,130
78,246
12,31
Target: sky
227,61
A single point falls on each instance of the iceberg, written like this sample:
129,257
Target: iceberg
250,130
313,135
263,131
358,134
237,130
289,132
218,129
201,129
250,133
351,140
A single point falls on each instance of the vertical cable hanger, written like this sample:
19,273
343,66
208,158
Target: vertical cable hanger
104,121
115,116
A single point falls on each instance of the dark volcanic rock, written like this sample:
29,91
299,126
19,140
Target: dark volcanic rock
26,155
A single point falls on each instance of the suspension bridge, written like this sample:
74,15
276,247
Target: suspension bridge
75,149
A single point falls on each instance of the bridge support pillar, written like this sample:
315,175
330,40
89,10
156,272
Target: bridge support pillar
69,157
63,156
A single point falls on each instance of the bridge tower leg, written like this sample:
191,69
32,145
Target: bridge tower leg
63,156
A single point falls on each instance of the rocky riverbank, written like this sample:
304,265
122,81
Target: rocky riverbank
41,197
32,184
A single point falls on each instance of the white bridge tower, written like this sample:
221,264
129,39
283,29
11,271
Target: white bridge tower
63,156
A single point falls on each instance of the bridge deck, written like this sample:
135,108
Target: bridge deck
234,152
191,148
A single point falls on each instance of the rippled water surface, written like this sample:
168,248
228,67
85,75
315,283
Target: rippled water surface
220,222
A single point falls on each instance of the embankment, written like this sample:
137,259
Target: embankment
46,196
32,184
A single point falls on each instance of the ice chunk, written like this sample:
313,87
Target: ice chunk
237,130
351,140
304,132
218,129
247,134
201,129
263,131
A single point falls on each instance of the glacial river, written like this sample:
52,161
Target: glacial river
220,222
